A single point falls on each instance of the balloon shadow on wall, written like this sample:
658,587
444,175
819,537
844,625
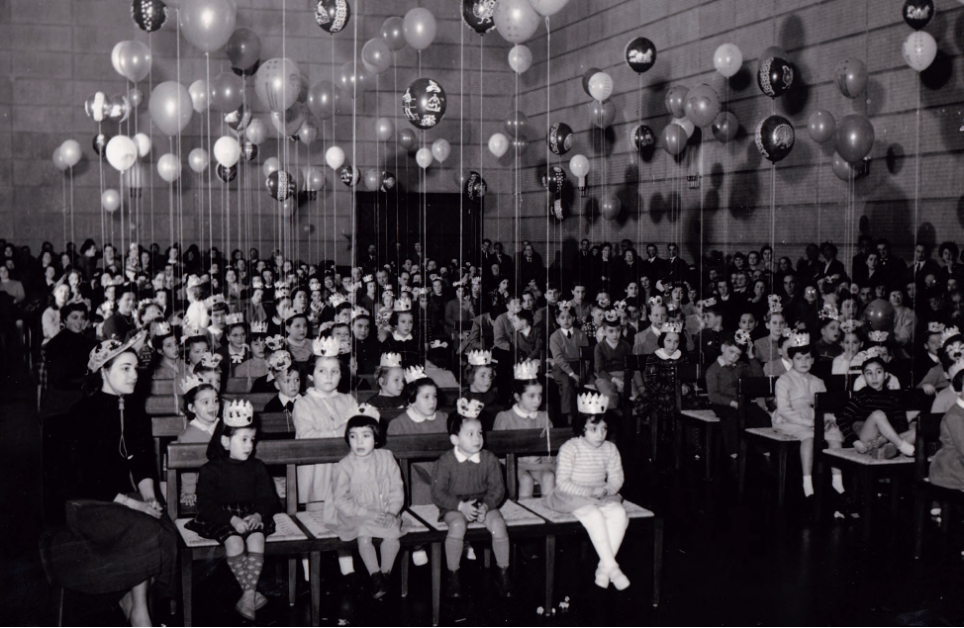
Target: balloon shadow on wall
876,98
716,176
792,34
893,217
802,155
797,98
960,211
895,158
745,78
927,234
711,201
603,140
745,197
935,77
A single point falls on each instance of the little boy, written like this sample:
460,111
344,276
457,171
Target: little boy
610,360
287,381
776,368
565,346
366,350
529,342
646,342
709,337
768,349
722,387
467,487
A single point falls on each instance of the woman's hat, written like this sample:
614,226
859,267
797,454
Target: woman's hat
110,349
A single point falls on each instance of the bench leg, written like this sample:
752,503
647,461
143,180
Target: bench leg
867,488
945,517
436,581
708,450
550,569
653,433
187,565
781,475
894,493
741,469
314,561
678,442
487,558
58,599
657,559
293,579
406,556
920,508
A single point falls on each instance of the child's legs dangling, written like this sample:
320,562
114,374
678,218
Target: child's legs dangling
527,484
368,554
237,561
592,518
547,482
454,540
255,562
389,551
616,523
495,524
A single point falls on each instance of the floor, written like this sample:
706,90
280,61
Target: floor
725,563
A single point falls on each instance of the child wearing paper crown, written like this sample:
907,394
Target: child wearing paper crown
201,407
610,360
255,365
589,476
391,383
236,502
947,467
168,353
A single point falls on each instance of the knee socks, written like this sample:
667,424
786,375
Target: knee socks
453,552
239,567
500,547
253,572
345,563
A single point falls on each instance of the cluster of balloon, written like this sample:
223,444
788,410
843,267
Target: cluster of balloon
516,20
854,137
478,14
419,28
349,175
475,187
725,127
170,107
775,76
919,50
643,138
554,180
424,103
132,60
244,51
701,105
149,15
110,200
208,24
728,59
821,125
520,58
774,138
277,84
169,167
579,166
560,138
67,155
332,15
640,54
100,107
851,77
281,185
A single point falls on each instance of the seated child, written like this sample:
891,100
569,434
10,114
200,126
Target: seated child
565,347
588,479
255,365
201,406
209,370
236,350
421,417
467,487
709,339
367,497
402,340
878,349
722,387
165,345
828,347
646,342
874,420
657,400
851,344
768,349
365,346
776,368
610,360
296,326
947,467
219,313
287,381
528,341
480,376
391,383
525,415
929,370
196,345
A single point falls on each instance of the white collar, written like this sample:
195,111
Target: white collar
401,338
653,329
318,394
787,364
476,457
661,352
204,427
933,358
721,362
523,413
417,416
568,333
960,402
285,398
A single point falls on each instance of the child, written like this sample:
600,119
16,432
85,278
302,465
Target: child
201,406
236,502
593,327
610,360
947,467
401,340
659,378
768,348
367,496
196,345
722,386
219,315
525,415
874,420
851,345
589,476
776,368
209,370
255,365
235,351
287,381
391,382
420,417
878,349
565,346
528,342
165,344
747,322
710,336
198,290
646,342
296,326
480,376
928,368
828,346
467,487
794,416
365,347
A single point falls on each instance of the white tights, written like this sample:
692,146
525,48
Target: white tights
606,525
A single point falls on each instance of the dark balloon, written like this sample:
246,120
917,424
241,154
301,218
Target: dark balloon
424,103
775,76
854,137
348,175
227,174
475,187
519,145
517,125
406,139
880,315
249,150
100,143
585,79
323,99
238,120
774,138
560,138
149,15
478,15
243,50
851,77
640,54
602,114
845,170
332,15
281,185
388,181
554,180
643,138
250,71
918,13
725,127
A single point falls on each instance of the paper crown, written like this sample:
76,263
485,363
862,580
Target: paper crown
775,303
611,316
526,370
238,413
935,327
438,344
878,336
275,343
367,409
337,299
742,337
358,311
279,360
405,289
190,382
368,279
948,333
281,293
234,319
217,299
191,332
402,304
417,292
326,347
799,339
620,307
161,328
211,360
675,327
849,326
480,358
654,301
708,302
193,281
259,327
955,368
116,281
829,312
257,283
476,281
469,408
390,360
873,352
289,312
592,403
414,373
564,306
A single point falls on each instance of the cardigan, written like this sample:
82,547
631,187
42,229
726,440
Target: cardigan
722,382
456,482
225,482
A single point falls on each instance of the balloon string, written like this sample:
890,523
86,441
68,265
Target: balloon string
354,142
548,127
334,139
63,210
398,248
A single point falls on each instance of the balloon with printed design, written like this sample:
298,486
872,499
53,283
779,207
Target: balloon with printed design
643,138
515,20
227,174
475,187
640,55
424,103
554,179
277,84
560,138
332,15
238,120
588,74
851,77
774,138
388,181
478,14
281,185
919,50
918,13
601,86
775,76
149,15
349,175
99,143
249,150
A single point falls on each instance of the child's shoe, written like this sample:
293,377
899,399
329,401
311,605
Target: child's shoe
619,579
379,585
906,448
245,605
886,452
419,557
260,601
503,582
602,577
470,552
454,587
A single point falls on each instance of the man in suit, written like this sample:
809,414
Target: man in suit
922,266
677,268
506,268
654,266
486,254
583,266
833,269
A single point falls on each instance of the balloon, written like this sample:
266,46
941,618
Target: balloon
227,92
676,101
335,157
851,77
120,108
97,106
728,59
277,84
919,50
821,125
135,97
609,206
579,166
775,76
249,150
674,139
143,143
479,15
121,152
559,208
384,129
854,137
702,105
288,207
423,158
419,28
281,185
288,123
880,315
643,138
560,138
725,127
387,181
600,86
308,133
169,167
99,143
520,58
441,149
517,124
171,107
227,151
554,179
774,138
376,56
71,153
238,120
348,175
392,33
602,114
271,164
332,15
406,139
256,131
845,171
424,103
243,49
321,99
547,8
918,13
519,145
199,95
133,60
372,180
133,180
687,126
227,173
314,179
197,159
475,187
640,54
59,162
149,15
498,144
208,24
591,72
110,200
515,20
352,77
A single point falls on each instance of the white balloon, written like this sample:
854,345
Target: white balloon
520,58
110,200
335,157
600,86
143,144
688,126
198,160
441,149
579,166
169,167
271,164
121,152
919,50
199,95
424,158
498,144
256,131
546,8
115,57
227,151
727,59
71,153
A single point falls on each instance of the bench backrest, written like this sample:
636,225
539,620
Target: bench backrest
928,436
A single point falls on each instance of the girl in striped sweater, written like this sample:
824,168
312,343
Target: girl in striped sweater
588,478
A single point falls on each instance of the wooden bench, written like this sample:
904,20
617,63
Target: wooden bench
925,493
705,421
233,385
750,390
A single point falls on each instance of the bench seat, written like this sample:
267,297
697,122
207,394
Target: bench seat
285,530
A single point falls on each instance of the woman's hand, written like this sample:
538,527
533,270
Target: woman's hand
153,510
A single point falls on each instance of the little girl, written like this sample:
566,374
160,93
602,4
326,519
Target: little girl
659,378
391,382
236,502
235,351
165,345
947,467
201,405
588,478
828,347
255,365
367,496
525,415
195,346
480,380
851,344
420,417
296,325
209,369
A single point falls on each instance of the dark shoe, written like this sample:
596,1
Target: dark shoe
454,588
379,585
886,452
503,582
